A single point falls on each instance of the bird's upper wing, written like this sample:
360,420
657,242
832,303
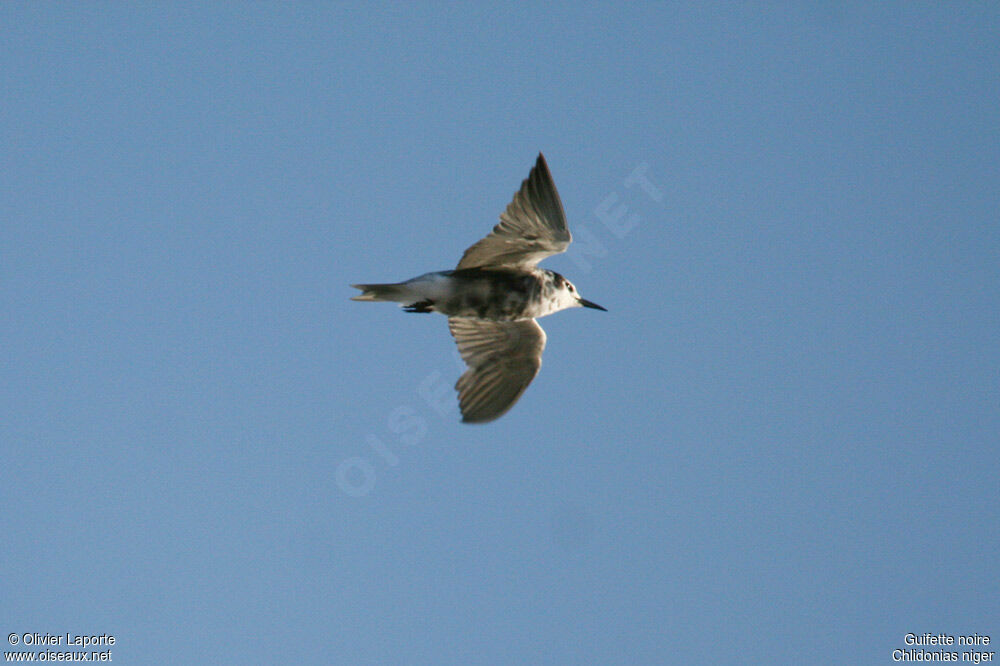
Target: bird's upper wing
533,226
503,357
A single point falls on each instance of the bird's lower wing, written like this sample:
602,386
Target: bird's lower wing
503,357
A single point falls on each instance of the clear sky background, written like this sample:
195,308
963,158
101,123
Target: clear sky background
780,445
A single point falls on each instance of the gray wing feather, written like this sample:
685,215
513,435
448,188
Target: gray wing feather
503,357
533,226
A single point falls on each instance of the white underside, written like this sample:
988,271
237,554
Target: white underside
429,286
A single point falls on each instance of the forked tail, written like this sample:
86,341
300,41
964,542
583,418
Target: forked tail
397,292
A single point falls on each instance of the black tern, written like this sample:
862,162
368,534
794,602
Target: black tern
494,295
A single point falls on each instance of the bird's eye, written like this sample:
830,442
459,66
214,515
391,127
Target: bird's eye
571,287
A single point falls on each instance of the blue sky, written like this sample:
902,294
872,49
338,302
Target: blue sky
779,444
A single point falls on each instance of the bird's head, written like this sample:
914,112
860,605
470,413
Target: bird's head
566,295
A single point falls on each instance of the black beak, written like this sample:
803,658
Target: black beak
587,304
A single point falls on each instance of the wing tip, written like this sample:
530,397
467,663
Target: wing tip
479,420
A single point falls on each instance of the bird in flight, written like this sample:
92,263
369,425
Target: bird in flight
494,295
